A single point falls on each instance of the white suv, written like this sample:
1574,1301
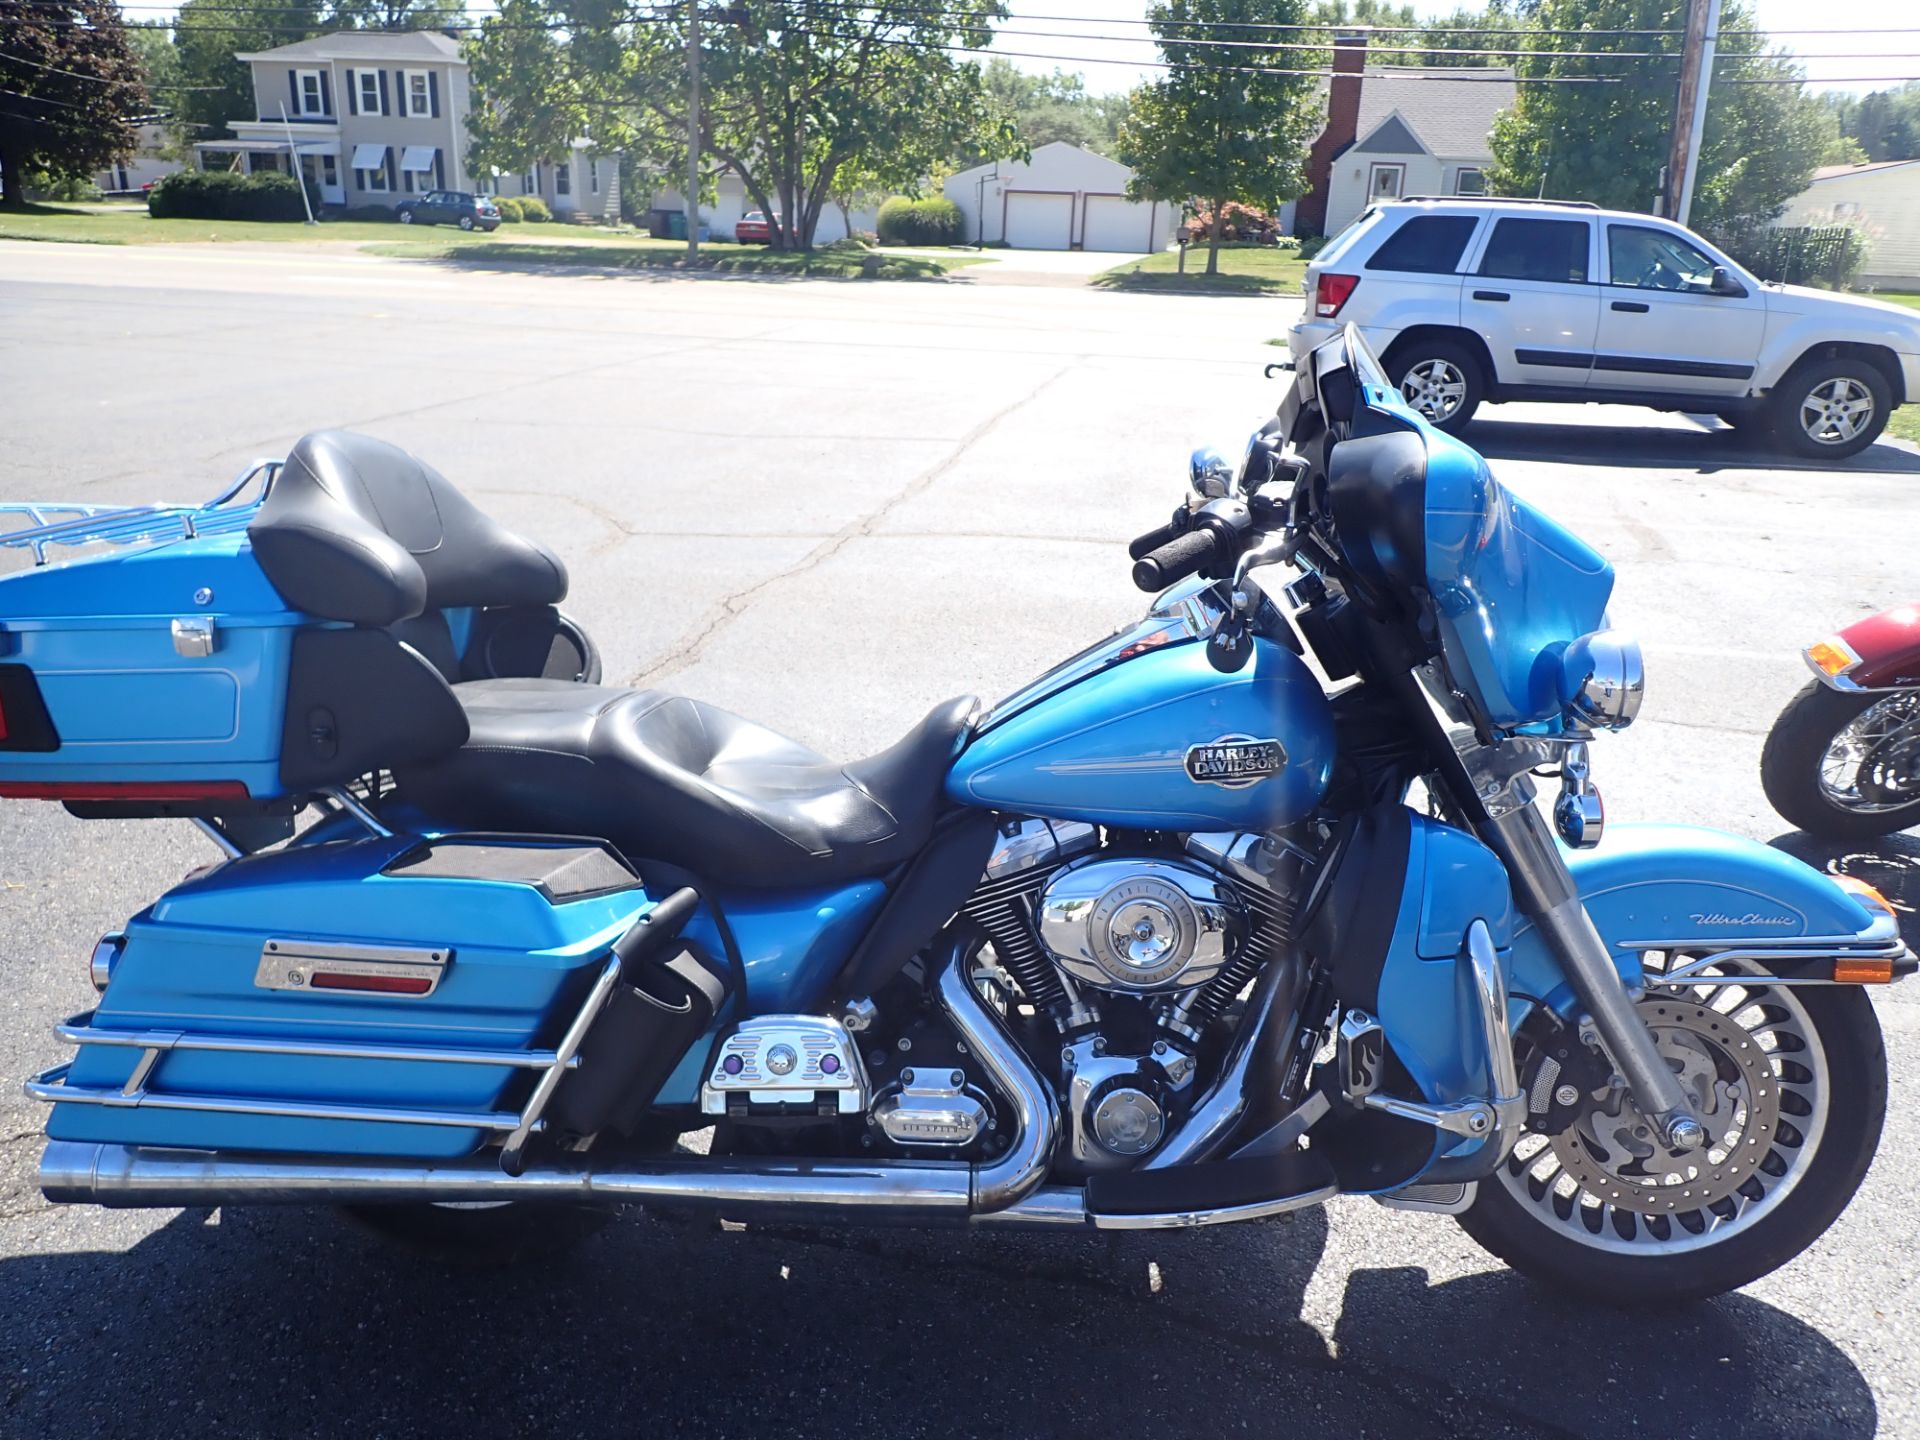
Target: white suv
1476,299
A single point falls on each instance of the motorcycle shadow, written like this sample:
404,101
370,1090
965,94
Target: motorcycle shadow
292,1322
1890,864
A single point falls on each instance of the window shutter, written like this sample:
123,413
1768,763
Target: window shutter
386,106
353,95
326,95
393,180
293,90
439,173
433,92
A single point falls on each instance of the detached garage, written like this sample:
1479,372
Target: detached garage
1064,198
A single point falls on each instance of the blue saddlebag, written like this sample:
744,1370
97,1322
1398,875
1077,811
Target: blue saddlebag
369,997
159,666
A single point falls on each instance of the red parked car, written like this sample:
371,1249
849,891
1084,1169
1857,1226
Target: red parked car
755,229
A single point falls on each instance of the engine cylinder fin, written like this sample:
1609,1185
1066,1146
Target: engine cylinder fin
1270,928
1004,909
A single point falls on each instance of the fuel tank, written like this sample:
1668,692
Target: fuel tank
1161,741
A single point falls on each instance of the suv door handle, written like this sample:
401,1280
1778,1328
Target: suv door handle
1632,307
1491,295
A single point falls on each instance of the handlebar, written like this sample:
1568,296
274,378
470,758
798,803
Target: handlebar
1185,555
1142,546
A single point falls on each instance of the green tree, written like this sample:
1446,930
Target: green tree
1885,123
1044,108
1213,129
395,14
207,34
1606,142
791,91
70,84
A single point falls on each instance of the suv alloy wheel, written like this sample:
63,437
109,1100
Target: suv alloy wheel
1441,380
1828,409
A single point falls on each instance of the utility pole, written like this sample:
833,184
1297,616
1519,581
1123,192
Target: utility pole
293,159
693,129
1690,109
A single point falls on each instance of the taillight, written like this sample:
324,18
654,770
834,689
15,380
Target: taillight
1332,293
106,954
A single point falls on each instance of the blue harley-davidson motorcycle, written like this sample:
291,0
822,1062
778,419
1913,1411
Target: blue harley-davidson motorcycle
1245,908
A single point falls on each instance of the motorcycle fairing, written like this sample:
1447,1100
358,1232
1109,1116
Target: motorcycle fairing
1684,887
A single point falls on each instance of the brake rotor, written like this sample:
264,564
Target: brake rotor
1614,1152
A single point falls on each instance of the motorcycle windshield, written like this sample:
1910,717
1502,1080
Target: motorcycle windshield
1510,587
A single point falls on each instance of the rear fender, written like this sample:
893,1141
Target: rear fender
1681,887
1881,652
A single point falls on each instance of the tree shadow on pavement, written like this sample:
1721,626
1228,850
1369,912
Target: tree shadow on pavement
290,1322
1891,865
1705,447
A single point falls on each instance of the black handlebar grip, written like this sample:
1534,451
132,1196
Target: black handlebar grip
1144,545
1175,560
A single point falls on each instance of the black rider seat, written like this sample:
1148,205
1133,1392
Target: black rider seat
675,780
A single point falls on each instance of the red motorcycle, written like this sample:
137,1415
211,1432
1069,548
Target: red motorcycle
1843,759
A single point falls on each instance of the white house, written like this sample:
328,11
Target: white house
1394,131
1883,200
377,116
148,164
1063,198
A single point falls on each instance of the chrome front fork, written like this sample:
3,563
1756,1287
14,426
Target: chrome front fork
1545,890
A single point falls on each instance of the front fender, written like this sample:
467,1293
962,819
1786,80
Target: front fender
1881,652
1682,887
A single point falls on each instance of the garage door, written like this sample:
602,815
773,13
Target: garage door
1039,222
1116,223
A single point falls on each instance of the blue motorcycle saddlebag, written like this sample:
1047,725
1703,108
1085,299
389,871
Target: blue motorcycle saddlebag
468,955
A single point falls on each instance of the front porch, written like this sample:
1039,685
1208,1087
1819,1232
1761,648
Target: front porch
259,146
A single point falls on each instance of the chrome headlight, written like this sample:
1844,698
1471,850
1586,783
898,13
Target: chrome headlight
1602,680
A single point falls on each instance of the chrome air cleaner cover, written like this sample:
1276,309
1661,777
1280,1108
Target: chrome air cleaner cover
1139,925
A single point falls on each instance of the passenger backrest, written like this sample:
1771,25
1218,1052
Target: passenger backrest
356,529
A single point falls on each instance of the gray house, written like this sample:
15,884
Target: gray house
377,116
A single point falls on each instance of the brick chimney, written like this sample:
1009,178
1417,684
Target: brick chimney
1343,121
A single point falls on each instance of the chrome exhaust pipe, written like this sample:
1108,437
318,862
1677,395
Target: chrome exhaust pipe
913,1192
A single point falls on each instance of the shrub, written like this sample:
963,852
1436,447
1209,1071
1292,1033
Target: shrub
69,189
1829,255
1312,245
533,208
1243,222
512,211
366,212
224,195
920,222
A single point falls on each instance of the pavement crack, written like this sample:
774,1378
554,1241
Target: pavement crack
687,650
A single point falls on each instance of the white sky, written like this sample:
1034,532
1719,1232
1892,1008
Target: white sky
1887,52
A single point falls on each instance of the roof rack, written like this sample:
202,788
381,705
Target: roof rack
1502,200
73,524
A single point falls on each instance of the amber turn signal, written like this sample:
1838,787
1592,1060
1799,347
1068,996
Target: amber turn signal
1863,972
1832,656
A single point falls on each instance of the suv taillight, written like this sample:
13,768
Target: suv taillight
1332,293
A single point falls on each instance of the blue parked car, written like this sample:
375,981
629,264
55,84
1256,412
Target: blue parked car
449,207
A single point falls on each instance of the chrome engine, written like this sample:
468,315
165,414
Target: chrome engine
1164,940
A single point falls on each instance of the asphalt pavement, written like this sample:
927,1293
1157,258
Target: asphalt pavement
828,506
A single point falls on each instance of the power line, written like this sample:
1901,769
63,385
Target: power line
98,79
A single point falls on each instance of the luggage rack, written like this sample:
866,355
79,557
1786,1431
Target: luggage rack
53,1086
50,523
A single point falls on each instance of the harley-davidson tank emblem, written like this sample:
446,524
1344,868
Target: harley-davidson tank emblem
1235,761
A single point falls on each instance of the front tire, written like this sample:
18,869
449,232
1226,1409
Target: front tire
1839,765
1830,409
405,217
1441,379
1811,1073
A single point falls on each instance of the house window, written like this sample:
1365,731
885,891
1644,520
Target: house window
562,178
418,100
1384,182
1470,180
312,98
530,182
593,174
375,180
369,82
1846,209
329,171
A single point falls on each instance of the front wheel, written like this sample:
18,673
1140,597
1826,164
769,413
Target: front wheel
1791,1086
405,217
1441,380
1845,766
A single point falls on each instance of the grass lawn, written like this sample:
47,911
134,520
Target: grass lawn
132,225
641,253
1905,422
1244,270
1897,297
